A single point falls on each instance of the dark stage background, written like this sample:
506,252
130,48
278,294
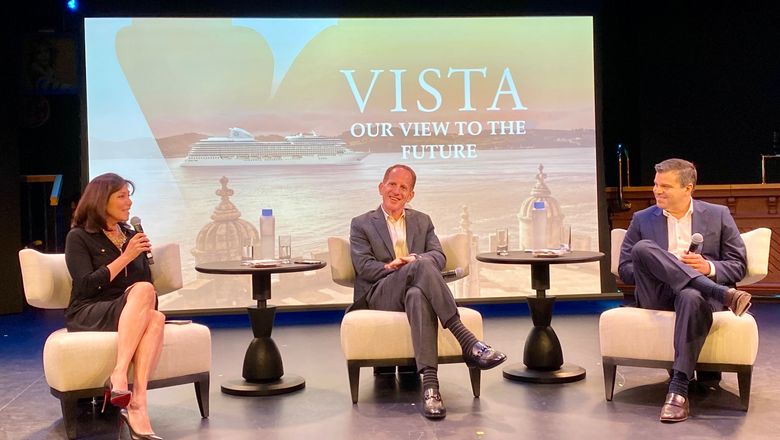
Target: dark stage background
699,82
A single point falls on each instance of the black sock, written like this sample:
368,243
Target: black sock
679,384
465,338
709,288
430,379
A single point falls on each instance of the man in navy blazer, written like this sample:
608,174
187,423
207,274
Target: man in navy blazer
398,262
672,274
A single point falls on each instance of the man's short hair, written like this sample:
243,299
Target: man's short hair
402,166
685,170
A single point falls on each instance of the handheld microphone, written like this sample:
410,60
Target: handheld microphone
696,241
454,273
136,222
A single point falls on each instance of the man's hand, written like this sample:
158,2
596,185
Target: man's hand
398,262
697,262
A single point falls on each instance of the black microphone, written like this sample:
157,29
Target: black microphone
454,273
136,222
696,241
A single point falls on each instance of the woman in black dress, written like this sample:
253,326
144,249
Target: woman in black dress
113,291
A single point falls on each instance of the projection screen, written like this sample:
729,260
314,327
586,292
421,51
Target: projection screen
215,119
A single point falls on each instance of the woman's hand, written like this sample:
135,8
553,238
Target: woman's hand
137,245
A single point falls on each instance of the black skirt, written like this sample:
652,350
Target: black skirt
101,316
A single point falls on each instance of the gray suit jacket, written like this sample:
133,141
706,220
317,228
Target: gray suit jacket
371,248
723,245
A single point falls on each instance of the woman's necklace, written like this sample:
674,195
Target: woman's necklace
117,236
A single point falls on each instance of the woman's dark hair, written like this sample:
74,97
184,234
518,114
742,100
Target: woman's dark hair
90,213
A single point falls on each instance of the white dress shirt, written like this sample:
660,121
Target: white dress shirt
397,229
679,234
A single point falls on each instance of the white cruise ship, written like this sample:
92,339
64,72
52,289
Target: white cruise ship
240,148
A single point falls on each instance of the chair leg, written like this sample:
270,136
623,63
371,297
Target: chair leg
476,377
202,394
354,380
609,378
744,377
69,405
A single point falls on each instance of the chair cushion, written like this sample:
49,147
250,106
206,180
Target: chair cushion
83,360
635,333
46,280
376,334
166,270
341,268
757,245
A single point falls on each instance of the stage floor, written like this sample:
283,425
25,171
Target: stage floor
387,407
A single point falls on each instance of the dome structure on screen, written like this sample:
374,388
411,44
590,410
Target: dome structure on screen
540,193
221,239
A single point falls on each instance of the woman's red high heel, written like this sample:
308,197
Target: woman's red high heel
118,398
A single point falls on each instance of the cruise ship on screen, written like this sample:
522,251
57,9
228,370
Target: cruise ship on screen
241,148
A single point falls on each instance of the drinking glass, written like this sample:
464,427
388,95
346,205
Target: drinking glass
565,238
502,241
285,248
247,250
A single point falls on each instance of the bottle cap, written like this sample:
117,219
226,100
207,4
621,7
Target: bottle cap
268,212
539,204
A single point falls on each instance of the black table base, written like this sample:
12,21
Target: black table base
286,384
567,373
542,355
263,370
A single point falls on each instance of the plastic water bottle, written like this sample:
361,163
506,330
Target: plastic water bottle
267,234
539,225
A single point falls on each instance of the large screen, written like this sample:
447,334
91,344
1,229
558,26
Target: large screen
216,119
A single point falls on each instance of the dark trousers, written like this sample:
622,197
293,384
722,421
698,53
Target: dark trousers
662,283
419,290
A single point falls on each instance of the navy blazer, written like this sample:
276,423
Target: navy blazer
371,248
722,245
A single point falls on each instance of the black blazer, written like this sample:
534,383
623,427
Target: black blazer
87,256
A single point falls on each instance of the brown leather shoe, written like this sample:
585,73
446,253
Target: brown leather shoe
675,408
740,301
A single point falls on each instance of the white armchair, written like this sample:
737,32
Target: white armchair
361,329
644,338
76,364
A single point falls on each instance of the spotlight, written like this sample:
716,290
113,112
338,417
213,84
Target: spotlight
73,5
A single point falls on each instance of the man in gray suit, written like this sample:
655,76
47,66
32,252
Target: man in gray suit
398,261
669,274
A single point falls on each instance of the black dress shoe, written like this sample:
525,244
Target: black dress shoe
483,356
432,405
675,408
